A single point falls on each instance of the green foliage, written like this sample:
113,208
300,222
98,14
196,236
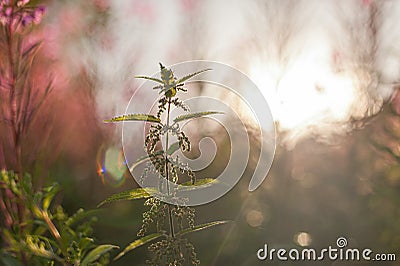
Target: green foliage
134,117
138,242
170,221
194,115
201,227
137,193
47,236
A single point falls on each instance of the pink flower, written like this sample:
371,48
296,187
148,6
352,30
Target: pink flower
38,14
22,2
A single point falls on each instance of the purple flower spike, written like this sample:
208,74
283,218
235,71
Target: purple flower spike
38,14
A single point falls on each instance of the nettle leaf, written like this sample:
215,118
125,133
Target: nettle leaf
150,78
96,253
199,182
195,115
145,158
133,194
134,117
201,227
192,75
137,243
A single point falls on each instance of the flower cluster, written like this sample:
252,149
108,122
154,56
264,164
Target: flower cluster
18,13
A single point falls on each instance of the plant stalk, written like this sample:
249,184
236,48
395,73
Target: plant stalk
15,133
171,222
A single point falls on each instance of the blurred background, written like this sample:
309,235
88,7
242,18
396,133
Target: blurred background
329,70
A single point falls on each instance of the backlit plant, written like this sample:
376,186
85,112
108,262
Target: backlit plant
172,222
34,229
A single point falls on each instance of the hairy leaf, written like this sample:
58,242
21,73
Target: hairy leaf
137,243
134,117
96,253
201,227
192,75
133,194
194,115
150,78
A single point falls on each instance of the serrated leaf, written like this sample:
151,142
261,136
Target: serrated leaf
150,78
137,243
134,117
195,115
133,194
192,75
201,227
96,253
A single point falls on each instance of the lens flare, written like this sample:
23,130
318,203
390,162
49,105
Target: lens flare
309,97
111,166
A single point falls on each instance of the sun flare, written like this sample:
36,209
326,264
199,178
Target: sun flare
306,94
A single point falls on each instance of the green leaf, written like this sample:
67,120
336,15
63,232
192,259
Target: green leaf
150,78
134,117
201,227
96,253
137,193
9,260
39,249
145,158
79,215
49,193
192,75
137,243
199,182
194,115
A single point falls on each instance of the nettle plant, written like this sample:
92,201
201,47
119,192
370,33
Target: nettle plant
171,221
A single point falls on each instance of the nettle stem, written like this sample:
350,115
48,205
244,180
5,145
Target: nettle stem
171,221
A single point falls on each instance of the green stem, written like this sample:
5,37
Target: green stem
171,222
